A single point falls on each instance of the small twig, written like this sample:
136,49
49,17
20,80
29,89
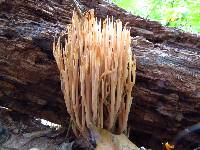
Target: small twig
69,127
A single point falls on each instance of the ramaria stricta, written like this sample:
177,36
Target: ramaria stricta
97,72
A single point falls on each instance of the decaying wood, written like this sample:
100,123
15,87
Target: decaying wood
167,91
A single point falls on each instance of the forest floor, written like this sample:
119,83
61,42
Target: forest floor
22,132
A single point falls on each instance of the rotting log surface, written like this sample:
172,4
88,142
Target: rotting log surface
167,92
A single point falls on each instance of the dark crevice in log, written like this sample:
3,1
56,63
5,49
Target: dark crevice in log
45,45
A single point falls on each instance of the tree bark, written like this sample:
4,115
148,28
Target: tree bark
167,92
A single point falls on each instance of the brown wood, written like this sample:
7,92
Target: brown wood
167,92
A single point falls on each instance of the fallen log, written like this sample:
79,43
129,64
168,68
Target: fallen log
167,91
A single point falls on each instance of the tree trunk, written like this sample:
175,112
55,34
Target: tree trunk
167,91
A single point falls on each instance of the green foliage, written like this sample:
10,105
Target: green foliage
183,14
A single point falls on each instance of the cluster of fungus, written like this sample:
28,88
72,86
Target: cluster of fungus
97,72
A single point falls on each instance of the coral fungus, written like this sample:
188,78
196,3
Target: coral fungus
97,71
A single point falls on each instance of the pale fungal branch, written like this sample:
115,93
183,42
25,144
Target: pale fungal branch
97,72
